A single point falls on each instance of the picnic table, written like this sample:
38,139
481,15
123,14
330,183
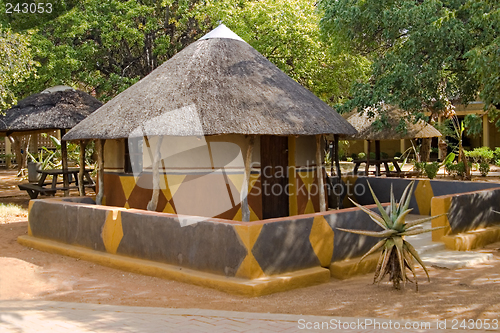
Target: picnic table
50,188
377,164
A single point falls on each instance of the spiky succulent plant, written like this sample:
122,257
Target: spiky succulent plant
397,254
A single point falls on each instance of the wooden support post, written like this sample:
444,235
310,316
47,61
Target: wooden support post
367,167
153,203
377,157
64,157
245,209
100,170
8,152
336,155
321,183
81,185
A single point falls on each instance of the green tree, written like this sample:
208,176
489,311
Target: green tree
16,66
287,33
424,53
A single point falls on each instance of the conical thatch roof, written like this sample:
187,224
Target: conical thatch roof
217,85
61,109
363,124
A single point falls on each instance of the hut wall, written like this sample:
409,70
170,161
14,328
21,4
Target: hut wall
202,176
114,155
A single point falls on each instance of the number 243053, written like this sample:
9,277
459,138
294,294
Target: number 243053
28,8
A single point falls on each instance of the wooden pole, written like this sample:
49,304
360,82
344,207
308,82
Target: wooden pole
367,167
336,155
81,186
64,157
321,183
153,203
245,209
100,170
377,157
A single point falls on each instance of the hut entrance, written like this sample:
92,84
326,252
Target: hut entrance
274,175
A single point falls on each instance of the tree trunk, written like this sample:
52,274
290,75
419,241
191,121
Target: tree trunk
20,144
425,150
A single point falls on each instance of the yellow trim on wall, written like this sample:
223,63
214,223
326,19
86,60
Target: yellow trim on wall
321,238
112,231
249,268
440,205
423,195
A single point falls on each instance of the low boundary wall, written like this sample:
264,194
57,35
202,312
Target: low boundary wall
296,251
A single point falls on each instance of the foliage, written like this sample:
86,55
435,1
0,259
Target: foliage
372,156
431,169
455,169
424,53
384,155
420,167
287,33
327,159
480,155
398,154
16,66
397,253
46,162
484,168
361,155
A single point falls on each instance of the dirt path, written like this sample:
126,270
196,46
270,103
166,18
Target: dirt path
462,294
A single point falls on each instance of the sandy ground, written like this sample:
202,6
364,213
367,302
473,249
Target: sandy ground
468,293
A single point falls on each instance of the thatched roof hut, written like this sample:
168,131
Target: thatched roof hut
60,109
203,112
366,131
222,83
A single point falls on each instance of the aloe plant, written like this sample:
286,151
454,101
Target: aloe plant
397,253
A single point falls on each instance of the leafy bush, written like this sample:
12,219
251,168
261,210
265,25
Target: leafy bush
384,155
431,169
480,155
420,167
349,159
450,168
496,154
397,154
361,155
484,168
372,155
354,156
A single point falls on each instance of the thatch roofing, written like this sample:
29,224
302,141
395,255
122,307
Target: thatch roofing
61,109
217,85
363,124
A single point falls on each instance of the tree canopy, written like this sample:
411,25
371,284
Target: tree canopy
425,53
106,46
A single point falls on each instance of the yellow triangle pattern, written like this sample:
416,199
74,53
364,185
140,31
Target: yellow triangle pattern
128,184
423,195
309,207
321,238
112,231
173,182
253,216
169,208
307,178
249,267
237,180
127,205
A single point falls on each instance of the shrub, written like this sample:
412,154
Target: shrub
480,155
451,169
354,156
484,168
460,167
349,159
397,154
384,155
372,155
397,254
361,155
420,167
431,169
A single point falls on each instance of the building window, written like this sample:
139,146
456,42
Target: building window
133,155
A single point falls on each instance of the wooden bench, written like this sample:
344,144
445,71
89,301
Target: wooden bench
34,189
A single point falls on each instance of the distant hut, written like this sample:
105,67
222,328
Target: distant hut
214,123
57,108
363,124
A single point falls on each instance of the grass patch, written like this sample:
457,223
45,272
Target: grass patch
9,211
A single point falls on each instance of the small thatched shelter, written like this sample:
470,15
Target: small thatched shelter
57,108
45,111
364,124
212,124
366,131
